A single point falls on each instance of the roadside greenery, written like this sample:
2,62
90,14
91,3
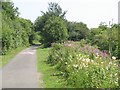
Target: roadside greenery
84,66
51,26
55,30
47,72
16,31
77,30
105,38
88,60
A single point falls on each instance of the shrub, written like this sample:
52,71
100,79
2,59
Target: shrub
54,31
82,68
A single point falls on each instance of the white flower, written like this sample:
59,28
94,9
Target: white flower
106,68
92,61
117,78
83,64
116,74
87,60
116,82
113,57
83,59
75,65
97,54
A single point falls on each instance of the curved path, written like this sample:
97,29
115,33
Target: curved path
21,71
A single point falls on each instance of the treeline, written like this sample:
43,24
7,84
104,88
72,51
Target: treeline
52,27
16,31
106,38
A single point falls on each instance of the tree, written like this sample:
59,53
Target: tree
15,31
53,10
9,9
54,31
101,37
42,23
56,10
77,31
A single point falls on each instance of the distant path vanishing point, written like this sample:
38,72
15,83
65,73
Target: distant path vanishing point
21,71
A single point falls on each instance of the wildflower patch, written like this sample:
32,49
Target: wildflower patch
84,66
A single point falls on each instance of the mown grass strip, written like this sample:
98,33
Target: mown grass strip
49,81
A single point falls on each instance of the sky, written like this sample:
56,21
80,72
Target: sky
90,12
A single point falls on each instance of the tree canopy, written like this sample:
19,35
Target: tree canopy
54,30
52,25
16,31
77,30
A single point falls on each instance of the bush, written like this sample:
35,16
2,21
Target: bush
15,30
54,31
82,68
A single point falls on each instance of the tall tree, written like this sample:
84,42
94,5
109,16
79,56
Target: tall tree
55,9
54,31
42,23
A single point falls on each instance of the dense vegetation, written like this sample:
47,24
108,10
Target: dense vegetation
77,31
16,31
105,38
83,57
84,66
89,62
53,25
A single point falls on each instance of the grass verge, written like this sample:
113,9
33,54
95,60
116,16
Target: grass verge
49,81
4,59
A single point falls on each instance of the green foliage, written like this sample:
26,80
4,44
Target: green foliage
77,31
9,9
84,66
118,41
15,31
51,24
55,9
105,37
49,80
55,30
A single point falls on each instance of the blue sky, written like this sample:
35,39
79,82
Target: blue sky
90,12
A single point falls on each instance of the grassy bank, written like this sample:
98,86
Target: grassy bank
4,59
49,80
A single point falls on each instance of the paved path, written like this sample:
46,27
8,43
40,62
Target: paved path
21,71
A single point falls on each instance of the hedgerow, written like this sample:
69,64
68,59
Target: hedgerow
84,66
16,31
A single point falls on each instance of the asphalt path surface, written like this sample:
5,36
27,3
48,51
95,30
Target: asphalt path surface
21,71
